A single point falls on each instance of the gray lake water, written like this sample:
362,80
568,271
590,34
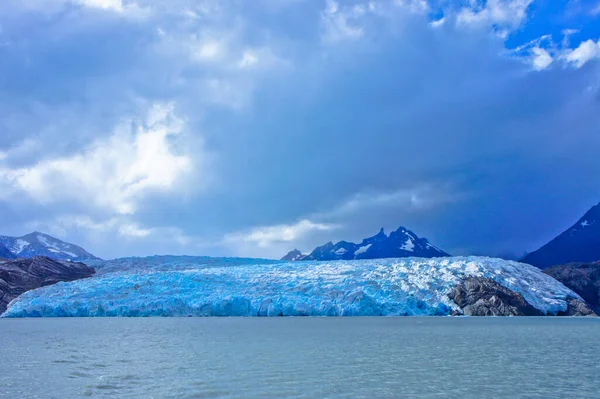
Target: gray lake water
300,358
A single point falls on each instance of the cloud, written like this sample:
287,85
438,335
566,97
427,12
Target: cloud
421,198
341,23
503,15
349,114
266,236
128,8
437,23
541,59
114,5
113,174
543,52
585,52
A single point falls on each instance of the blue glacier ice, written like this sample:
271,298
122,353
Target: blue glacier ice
184,286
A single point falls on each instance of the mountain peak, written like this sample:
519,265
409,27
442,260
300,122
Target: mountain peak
579,243
293,255
399,244
41,244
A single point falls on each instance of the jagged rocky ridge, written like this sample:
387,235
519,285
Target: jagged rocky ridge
410,286
401,243
40,244
21,275
580,243
582,278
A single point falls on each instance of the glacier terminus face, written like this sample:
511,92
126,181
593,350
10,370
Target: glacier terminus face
168,286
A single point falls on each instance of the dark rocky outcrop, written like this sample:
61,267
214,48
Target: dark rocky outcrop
575,307
21,275
478,296
582,278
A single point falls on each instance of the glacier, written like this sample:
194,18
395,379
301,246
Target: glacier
188,286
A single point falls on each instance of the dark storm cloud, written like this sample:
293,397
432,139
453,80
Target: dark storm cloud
436,129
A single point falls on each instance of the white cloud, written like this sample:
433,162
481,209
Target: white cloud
587,51
128,8
506,15
209,49
112,174
415,6
265,236
422,197
133,230
249,58
341,23
122,226
542,52
437,23
114,5
541,59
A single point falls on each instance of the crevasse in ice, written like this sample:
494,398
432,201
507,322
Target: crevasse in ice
174,286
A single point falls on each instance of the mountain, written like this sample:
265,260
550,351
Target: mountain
5,253
582,278
401,243
293,255
373,287
580,243
39,244
21,275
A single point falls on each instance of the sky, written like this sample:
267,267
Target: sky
252,127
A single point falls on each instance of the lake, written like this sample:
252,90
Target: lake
359,357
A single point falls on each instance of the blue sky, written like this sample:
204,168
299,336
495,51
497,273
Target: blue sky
252,127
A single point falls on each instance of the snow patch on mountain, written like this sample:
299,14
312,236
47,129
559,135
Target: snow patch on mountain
363,249
390,287
409,245
19,245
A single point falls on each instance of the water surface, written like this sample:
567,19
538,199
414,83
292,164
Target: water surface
300,358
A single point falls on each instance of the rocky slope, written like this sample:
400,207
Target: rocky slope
582,278
294,255
5,253
479,296
579,243
39,244
401,243
21,275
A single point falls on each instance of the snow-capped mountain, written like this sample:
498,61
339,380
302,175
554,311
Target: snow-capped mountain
39,244
401,243
580,243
